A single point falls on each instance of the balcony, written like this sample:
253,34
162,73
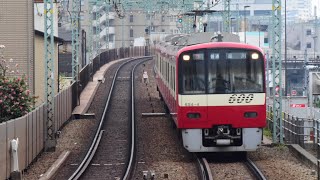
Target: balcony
111,30
103,33
111,46
95,23
103,19
94,8
112,15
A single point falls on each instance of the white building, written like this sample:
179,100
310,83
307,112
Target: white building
39,18
299,10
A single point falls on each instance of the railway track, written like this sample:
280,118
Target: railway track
254,170
112,151
245,169
204,169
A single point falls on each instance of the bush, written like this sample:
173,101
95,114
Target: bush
15,98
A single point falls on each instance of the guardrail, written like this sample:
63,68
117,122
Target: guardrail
30,129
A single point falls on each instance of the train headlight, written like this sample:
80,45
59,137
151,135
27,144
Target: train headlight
254,56
186,57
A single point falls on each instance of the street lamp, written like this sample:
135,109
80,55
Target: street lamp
231,23
245,24
259,32
314,46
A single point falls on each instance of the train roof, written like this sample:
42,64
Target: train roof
219,45
174,44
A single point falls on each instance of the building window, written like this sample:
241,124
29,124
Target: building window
308,45
266,40
171,18
131,32
262,12
244,13
308,31
131,18
163,30
163,18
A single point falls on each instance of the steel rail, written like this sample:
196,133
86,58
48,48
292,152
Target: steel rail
95,142
254,170
128,173
204,169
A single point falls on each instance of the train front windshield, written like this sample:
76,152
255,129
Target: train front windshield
221,71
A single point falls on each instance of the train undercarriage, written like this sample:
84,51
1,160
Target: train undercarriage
221,138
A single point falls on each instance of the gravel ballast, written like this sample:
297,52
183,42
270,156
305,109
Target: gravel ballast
159,147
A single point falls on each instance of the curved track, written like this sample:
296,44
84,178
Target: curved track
244,169
254,170
204,169
110,156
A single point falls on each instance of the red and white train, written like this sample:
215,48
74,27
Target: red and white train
214,91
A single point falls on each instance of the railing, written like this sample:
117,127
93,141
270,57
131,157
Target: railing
296,130
317,133
30,128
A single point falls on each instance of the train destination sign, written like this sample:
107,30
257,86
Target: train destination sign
298,105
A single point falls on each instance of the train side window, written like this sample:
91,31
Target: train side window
162,67
168,78
166,72
171,78
160,64
174,79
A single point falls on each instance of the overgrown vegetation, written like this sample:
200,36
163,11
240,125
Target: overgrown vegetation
267,133
15,97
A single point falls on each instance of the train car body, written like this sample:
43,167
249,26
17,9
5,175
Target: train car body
214,91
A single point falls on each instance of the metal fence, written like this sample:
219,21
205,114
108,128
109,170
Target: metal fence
317,133
29,129
89,70
302,131
296,130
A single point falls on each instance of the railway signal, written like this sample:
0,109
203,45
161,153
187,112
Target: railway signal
180,19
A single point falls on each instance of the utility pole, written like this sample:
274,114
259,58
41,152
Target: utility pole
285,48
245,24
259,33
107,12
90,42
75,44
238,18
75,39
226,16
98,28
50,139
315,32
277,135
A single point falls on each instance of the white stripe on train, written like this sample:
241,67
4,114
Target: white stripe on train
243,99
